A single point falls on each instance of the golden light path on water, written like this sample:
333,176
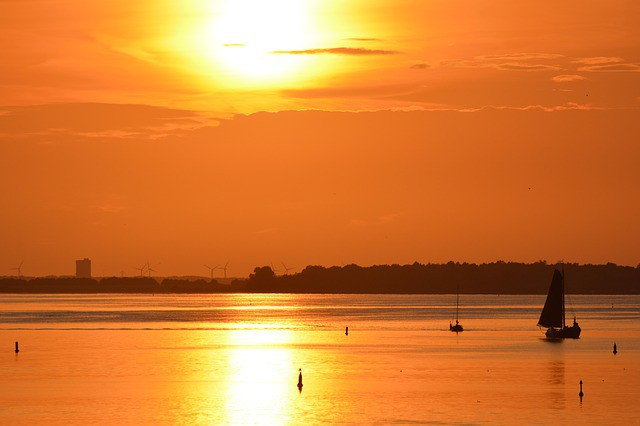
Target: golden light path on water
259,376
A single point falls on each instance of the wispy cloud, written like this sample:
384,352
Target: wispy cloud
266,231
518,57
611,68
353,91
546,108
566,78
362,39
596,60
128,48
420,66
98,120
462,63
508,62
111,208
520,66
234,45
115,134
355,51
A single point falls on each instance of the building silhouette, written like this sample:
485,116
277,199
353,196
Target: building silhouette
83,268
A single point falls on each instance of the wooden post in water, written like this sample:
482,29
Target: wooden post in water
615,348
17,350
581,394
346,332
300,379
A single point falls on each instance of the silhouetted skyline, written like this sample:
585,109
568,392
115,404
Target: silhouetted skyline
493,278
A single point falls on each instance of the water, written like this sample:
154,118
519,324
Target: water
233,359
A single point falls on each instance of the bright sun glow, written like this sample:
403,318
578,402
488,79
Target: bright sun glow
243,34
262,375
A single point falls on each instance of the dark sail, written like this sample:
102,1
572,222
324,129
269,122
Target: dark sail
553,308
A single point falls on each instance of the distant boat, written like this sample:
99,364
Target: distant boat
552,315
456,328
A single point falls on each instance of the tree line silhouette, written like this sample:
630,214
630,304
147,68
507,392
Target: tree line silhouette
112,285
487,278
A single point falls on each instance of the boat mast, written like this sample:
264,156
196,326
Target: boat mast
457,299
563,320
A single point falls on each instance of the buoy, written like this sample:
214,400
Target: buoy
300,379
581,394
17,350
615,348
346,332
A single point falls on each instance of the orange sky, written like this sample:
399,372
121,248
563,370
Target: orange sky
317,132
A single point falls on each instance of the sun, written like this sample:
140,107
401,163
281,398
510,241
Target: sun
243,34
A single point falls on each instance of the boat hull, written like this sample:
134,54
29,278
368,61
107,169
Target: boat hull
567,332
456,328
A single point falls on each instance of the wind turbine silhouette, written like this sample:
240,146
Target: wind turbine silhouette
141,269
286,270
19,268
150,269
225,269
212,269
273,268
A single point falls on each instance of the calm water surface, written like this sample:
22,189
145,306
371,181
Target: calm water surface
230,359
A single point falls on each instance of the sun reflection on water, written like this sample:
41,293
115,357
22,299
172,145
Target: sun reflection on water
261,377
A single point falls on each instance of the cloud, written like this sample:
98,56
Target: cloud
420,66
611,68
368,91
354,51
596,60
519,66
234,45
124,47
97,120
518,62
565,78
111,134
569,106
362,39
463,63
266,231
110,208
518,56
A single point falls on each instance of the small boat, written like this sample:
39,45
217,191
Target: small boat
552,315
456,328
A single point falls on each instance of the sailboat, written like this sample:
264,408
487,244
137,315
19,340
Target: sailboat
552,315
456,328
